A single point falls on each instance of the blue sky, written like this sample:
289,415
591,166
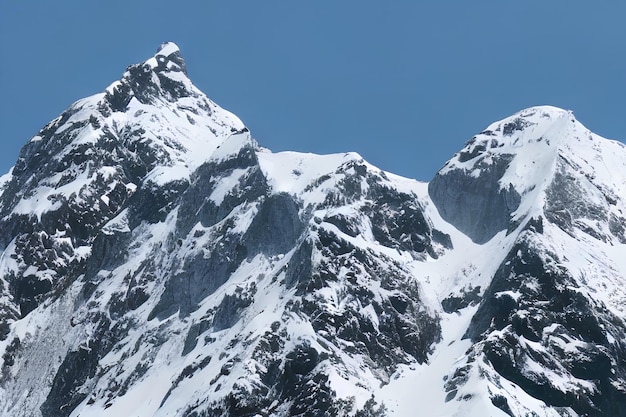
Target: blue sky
403,83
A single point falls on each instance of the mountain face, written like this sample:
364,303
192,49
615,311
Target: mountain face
551,319
156,261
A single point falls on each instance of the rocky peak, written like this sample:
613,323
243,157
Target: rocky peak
167,58
532,136
153,126
527,126
512,164
161,77
149,204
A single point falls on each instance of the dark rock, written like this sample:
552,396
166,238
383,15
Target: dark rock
518,124
546,297
502,403
227,312
467,297
77,367
276,226
476,205
201,275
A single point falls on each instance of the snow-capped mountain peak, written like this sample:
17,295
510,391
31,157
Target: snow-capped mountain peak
157,262
153,126
517,161
530,139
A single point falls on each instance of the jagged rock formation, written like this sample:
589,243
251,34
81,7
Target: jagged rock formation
551,319
157,262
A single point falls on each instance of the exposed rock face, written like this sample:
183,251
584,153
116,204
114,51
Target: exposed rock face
477,205
149,219
550,322
157,262
539,331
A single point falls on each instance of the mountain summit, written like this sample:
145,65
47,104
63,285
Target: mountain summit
157,262
168,57
517,163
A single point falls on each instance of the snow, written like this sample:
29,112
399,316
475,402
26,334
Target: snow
157,251
423,384
113,86
226,184
41,202
36,368
230,146
189,146
168,49
142,400
310,177
466,265
292,172
5,179
165,50
119,224
50,197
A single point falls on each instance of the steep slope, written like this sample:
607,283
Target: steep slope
78,172
157,262
551,321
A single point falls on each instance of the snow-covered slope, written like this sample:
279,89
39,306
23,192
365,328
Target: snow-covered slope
550,322
519,160
157,262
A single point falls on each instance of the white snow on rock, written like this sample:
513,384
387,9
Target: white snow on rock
544,144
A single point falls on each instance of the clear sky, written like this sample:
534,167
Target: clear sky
403,83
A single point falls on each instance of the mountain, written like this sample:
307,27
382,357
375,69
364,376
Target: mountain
550,321
156,261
